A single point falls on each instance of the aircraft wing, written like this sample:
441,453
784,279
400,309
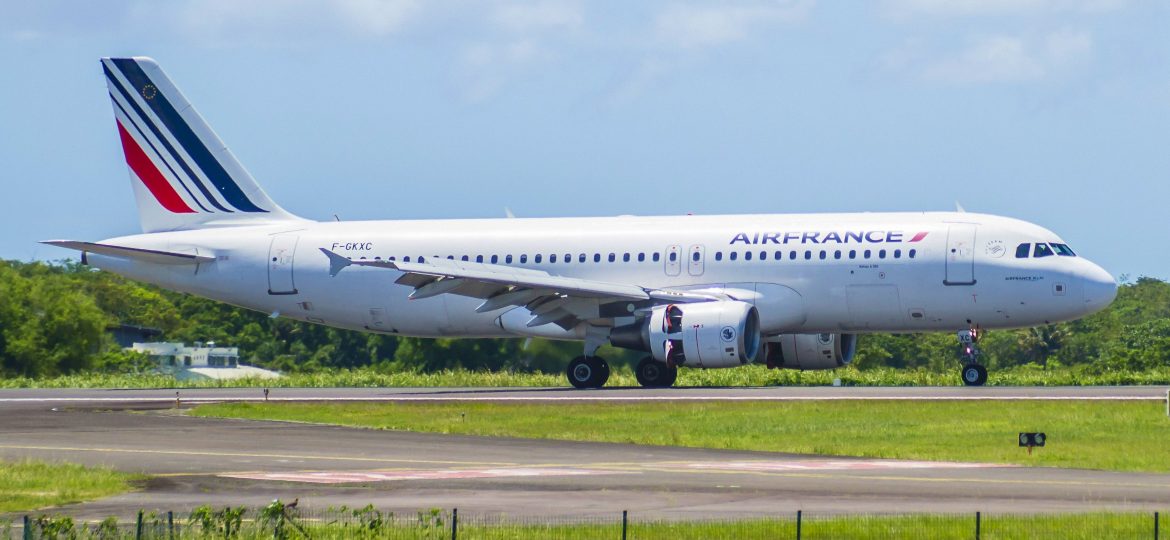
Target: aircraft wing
550,298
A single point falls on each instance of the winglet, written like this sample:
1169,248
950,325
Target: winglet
336,262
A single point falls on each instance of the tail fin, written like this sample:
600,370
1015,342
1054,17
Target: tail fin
184,177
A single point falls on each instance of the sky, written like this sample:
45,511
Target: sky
1052,111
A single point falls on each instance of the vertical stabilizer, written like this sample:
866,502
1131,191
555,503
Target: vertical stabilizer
184,177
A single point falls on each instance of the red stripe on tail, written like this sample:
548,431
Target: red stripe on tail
919,236
144,168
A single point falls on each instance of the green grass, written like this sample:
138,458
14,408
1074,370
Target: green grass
744,376
29,485
1125,436
437,526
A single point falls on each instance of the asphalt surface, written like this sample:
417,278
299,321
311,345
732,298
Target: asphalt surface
195,461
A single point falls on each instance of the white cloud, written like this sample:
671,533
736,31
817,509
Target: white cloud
692,25
994,58
524,17
377,17
961,8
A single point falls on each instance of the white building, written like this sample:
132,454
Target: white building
203,361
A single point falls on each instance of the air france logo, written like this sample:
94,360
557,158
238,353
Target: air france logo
727,333
822,237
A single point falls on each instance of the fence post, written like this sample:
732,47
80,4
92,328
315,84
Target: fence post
454,523
1156,526
625,522
171,525
978,523
138,529
798,516
27,528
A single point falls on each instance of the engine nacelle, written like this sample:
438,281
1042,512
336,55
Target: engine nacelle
810,351
702,334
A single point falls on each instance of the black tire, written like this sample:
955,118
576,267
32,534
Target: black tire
974,375
654,374
587,372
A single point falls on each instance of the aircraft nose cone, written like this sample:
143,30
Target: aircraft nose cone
1100,288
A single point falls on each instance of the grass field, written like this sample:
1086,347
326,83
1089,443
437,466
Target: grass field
437,525
29,485
754,375
1125,436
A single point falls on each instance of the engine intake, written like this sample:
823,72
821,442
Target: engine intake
703,334
810,351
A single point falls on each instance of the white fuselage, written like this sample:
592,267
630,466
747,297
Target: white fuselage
813,273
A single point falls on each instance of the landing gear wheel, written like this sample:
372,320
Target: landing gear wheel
654,374
588,372
974,375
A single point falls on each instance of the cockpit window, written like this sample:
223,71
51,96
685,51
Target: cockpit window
1022,250
1063,250
1042,250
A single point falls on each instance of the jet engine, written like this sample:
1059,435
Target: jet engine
810,351
702,334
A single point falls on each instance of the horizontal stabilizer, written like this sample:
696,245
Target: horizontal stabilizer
132,253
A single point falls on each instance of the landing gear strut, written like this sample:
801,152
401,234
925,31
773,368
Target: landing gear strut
654,374
972,372
588,372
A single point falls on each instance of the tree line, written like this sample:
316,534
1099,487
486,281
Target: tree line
55,320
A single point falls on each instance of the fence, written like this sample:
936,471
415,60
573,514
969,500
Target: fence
280,522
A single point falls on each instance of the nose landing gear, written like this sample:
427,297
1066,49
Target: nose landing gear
973,373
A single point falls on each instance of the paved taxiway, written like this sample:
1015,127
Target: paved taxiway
196,460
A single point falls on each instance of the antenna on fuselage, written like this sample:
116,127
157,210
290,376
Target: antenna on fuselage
959,208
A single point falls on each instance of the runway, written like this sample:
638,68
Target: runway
195,461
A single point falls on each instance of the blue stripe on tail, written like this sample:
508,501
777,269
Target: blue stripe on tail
165,142
187,138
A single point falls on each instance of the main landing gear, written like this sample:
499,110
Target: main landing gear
588,372
973,373
654,374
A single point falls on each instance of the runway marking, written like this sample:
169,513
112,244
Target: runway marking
835,465
250,455
348,477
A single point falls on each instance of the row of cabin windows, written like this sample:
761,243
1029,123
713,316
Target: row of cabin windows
808,255
673,256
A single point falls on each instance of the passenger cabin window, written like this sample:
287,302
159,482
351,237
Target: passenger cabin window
656,257
1022,250
913,252
596,257
747,255
495,259
508,259
465,258
695,256
625,257
673,256
1063,250
778,255
641,257
581,258
733,255
807,255
718,255
1042,250
479,258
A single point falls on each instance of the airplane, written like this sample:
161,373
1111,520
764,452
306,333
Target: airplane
789,291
